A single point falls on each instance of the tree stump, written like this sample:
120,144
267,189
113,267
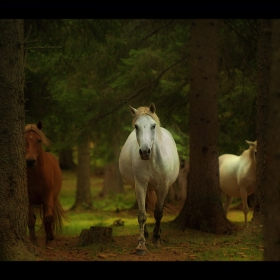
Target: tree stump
95,235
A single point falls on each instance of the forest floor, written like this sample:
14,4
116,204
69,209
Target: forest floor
176,245
122,248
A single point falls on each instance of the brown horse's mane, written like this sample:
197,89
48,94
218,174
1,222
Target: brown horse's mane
145,111
33,127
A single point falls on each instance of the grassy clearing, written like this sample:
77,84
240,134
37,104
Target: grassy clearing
194,244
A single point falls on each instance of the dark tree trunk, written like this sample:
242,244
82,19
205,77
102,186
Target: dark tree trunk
264,48
83,195
183,180
272,155
203,207
14,243
66,159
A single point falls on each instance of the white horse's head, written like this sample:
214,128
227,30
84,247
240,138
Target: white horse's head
146,122
253,148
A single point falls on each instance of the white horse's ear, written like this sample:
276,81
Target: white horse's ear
250,143
132,110
152,107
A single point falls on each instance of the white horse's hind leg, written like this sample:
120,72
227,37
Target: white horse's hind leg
227,204
243,194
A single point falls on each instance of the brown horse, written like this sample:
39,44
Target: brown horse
44,181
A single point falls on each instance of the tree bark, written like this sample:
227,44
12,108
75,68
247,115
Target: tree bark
66,160
112,179
203,207
14,243
113,182
272,155
83,199
264,48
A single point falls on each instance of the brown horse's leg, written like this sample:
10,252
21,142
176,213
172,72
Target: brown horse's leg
48,222
31,225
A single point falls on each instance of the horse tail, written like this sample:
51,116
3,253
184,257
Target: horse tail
59,214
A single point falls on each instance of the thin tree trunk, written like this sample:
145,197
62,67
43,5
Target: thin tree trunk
66,159
264,48
83,195
113,182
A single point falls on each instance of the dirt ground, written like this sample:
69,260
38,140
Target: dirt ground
67,249
122,248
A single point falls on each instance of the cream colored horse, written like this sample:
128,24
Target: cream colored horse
238,176
149,161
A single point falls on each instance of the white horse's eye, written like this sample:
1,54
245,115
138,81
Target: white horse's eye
153,126
136,126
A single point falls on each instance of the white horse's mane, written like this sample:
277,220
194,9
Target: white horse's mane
250,152
145,111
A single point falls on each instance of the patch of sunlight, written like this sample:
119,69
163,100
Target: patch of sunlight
237,216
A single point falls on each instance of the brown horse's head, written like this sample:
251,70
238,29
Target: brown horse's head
34,139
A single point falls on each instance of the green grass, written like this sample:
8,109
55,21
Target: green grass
104,209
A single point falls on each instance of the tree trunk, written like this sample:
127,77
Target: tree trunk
14,243
66,159
264,48
203,207
113,182
83,194
112,179
183,180
272,155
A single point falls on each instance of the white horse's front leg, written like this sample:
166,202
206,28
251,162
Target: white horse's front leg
243,194
142,217
228,201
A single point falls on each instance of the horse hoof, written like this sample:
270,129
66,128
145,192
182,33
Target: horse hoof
51,237
141,250
157,243
34,241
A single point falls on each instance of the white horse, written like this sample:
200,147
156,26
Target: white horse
238,176
149,161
